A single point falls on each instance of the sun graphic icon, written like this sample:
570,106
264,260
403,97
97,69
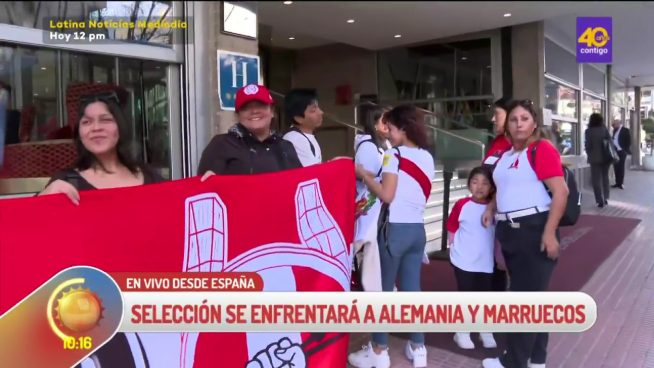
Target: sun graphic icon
79,310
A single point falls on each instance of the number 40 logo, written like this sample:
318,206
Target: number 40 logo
594,37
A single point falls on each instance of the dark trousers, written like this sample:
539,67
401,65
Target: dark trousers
599,176
473,281
499,280
619,167
530,270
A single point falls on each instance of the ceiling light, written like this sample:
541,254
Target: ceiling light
36,95
464,58
506,15
291,38
350,20
43,68
488,66
288,2
397,36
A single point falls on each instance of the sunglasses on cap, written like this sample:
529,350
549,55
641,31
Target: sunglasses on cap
105,96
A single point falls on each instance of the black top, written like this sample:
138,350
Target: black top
624,139
73,177
239,152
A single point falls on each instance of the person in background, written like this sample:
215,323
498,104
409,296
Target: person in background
369,148
407,172
622,141
250,146
527,220
595,136
501,143
103,161
301,107
472,246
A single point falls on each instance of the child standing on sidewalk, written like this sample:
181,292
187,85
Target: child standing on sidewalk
472,246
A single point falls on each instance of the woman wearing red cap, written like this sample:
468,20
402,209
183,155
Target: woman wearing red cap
250,146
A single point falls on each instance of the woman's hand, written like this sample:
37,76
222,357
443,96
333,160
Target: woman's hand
488,217
62,187
207,175
551,245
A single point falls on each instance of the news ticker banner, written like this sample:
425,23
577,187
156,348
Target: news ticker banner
81,308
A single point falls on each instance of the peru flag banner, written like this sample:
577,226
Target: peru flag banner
293,228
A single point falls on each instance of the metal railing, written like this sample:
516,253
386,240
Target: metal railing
480,144
429,113
448,168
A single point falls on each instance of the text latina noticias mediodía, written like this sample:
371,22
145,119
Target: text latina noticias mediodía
99,24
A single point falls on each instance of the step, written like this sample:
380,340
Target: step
433,241
437,186
435,203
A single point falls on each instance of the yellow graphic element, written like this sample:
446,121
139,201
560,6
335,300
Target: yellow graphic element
78,309
591,39
387,159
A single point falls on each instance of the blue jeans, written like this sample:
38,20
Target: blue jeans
401,256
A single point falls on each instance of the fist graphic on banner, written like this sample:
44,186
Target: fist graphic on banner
280,354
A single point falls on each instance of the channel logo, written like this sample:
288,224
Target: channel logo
594,40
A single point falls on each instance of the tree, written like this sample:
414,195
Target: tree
648,125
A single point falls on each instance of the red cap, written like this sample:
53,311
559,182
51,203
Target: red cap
253,92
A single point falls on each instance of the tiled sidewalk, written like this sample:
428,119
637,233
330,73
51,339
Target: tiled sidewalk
623,287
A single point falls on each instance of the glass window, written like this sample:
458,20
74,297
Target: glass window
560,99
561,63
589,106
146,83
564,136
594,80
42,114
436,70
36,14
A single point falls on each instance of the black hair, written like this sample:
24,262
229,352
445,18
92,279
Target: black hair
297,101
503,103
369,124
479,170
595,120
411,121
86,159
529,106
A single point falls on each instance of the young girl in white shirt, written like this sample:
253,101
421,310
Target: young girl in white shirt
472,246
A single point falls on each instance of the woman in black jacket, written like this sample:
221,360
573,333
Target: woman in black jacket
595,136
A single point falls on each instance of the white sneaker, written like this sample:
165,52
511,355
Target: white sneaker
463,340
366,358
492,363
488,341
533,365
417,356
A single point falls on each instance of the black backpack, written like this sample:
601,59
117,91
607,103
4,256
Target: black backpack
573,205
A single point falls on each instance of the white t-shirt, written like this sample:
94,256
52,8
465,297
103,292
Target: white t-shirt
519,185
370,157
302,143
473,246
409,203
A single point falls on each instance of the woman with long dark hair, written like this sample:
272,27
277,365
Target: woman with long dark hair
527,218
597,136
407,172
104,161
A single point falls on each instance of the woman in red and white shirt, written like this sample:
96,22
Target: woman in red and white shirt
527,222
407,172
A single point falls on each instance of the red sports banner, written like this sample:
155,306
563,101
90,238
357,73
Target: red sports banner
293,228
